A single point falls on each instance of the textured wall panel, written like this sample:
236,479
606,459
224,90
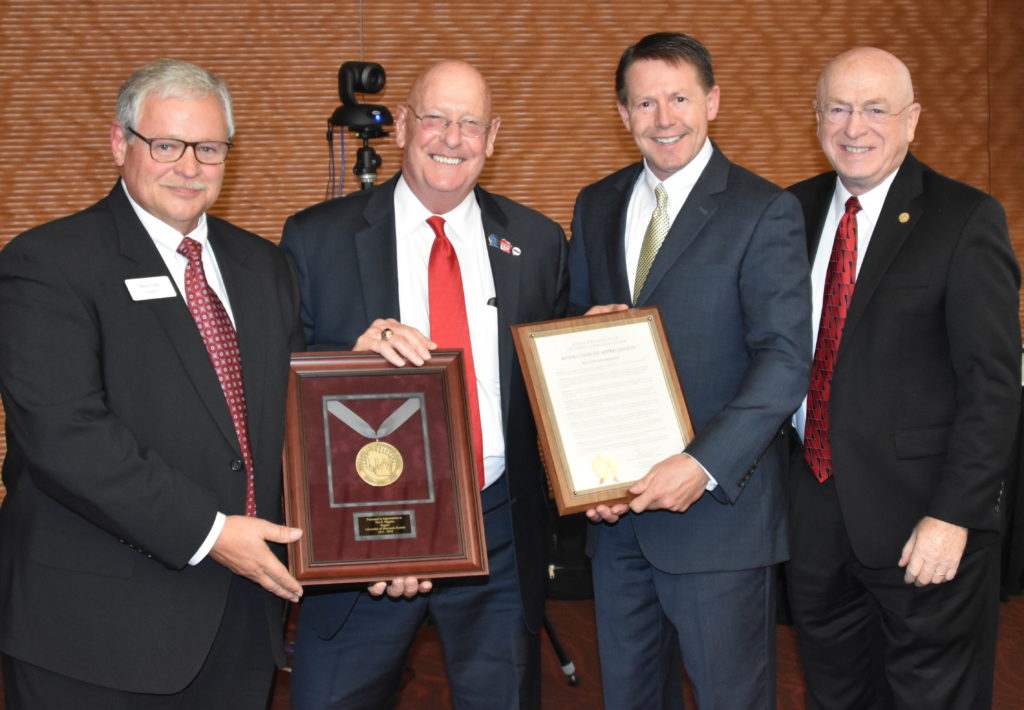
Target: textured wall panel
551,64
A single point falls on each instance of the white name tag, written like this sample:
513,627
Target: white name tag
150,287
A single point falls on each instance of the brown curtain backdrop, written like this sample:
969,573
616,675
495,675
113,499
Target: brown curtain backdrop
551,64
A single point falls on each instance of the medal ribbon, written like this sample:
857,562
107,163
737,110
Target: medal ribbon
397,418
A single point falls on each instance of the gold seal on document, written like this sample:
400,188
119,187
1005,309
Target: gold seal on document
379,463
605,468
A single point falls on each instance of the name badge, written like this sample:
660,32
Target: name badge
150,287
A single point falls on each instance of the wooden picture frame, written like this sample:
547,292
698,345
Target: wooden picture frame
607,402
378,470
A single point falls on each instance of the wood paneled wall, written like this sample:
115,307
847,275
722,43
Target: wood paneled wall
551,64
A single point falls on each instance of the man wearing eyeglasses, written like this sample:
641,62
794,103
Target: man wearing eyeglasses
143,367
910,420
369,266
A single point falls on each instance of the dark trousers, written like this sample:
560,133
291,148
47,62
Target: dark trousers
492,660
868,639
723,624
237,675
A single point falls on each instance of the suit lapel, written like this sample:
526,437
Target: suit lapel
888,238
695,213
815,211
375,245
140,259
248,298
506,272
609,244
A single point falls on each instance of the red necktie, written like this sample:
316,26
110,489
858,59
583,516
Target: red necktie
839,281
449,326
219,336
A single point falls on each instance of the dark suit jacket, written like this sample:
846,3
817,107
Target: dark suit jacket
926,387
733,289
121,448
344,254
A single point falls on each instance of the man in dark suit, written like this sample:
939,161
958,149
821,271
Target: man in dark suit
688,564
911,417
125,556
366,270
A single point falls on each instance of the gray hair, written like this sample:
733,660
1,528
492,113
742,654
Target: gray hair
170,78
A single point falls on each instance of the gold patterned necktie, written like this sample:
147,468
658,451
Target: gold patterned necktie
656,232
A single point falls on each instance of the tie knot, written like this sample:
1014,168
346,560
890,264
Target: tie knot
661,195
437,224
853,205
190,249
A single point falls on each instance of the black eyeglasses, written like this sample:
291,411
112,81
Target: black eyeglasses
170,150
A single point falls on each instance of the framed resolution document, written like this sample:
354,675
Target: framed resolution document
378,470
607,402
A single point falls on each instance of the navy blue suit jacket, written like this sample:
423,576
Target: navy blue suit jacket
925,392
121,448
344,253
731,280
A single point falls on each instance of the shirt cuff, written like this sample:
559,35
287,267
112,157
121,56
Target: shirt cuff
211,538
712,484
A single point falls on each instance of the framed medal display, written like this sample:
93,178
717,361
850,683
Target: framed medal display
378,470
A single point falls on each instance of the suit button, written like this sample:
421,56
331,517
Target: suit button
237,465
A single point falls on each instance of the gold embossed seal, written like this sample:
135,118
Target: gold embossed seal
379,463
605,468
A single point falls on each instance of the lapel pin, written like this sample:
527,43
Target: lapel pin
904,217
516,251
492,240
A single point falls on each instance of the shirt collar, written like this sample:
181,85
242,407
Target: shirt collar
682,180
410,213
162,233
870,202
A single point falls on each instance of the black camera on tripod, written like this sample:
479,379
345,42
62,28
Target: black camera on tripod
367,121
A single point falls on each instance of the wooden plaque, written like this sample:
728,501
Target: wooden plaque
378,470
607,401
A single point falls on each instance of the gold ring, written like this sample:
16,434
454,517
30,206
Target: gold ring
386,334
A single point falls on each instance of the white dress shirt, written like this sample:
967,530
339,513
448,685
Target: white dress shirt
464,229
642,203
641,206
871,207
166,239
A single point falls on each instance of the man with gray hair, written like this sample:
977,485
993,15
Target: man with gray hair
910,420
143,368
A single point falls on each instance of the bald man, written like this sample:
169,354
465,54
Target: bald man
910,419
362,262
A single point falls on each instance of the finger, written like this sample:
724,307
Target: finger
412,587
642,501
377,588
396,588
281,533
425,586
277,581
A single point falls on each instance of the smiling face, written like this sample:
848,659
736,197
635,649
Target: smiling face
176,193
442,168
861,151
667,111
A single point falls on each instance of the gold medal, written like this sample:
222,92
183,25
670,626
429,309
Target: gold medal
379,463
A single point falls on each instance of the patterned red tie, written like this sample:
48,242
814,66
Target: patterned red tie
219,336
449,326
839,281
